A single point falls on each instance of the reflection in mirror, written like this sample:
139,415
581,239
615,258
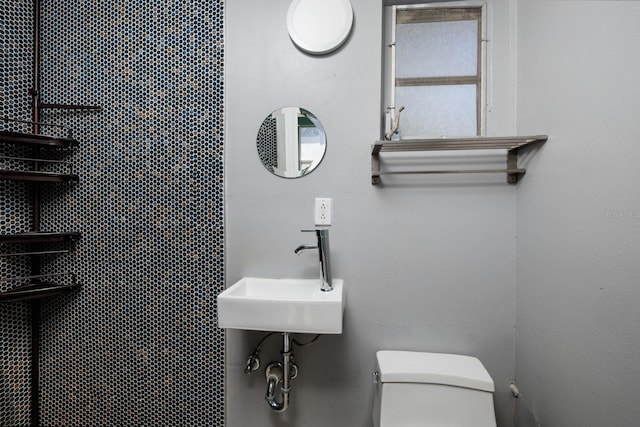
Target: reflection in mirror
291,142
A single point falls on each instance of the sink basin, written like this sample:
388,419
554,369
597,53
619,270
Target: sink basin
282,305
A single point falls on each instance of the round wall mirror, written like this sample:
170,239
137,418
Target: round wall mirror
291,142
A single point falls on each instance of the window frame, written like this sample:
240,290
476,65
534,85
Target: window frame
436,12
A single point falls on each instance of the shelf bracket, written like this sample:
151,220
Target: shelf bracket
513,173
375,164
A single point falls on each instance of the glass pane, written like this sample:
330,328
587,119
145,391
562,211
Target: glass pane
435,111
437,49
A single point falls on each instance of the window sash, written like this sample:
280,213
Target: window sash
412,15
438,14
438,81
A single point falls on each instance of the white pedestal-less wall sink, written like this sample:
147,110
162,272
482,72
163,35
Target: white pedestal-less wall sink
282,305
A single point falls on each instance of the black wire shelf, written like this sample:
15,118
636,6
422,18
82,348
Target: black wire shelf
37,288
37,176
34,140
39,237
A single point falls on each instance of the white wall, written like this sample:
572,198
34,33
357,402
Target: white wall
428,264
578,344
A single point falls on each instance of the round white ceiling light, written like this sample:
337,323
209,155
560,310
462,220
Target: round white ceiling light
319,26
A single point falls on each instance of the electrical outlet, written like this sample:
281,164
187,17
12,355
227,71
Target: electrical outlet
322,211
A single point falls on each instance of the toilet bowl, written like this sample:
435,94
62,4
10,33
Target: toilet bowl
432,389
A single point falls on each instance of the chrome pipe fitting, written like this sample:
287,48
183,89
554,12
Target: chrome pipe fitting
280,373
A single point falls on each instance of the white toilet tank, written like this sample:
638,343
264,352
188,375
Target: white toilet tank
432,389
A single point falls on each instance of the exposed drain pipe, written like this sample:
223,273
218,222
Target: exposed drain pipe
281,373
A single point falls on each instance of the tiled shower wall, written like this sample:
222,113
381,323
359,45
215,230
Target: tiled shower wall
137,345
15,333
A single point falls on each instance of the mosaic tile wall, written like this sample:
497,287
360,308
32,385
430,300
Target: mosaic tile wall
15,332
137,345
268,146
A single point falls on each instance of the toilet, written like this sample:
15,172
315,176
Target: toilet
432,389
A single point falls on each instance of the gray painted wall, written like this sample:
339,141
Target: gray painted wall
429,264
578,342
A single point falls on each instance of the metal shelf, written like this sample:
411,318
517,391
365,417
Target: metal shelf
34,140
37,288
33,176
36,175
39,237
511,144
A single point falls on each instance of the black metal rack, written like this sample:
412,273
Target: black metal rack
35,239
28,139
39,237
37,287
37,174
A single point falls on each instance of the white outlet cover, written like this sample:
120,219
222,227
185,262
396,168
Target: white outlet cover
319,26
323,218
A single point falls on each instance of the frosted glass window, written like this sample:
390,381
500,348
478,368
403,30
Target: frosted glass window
435,62
435,111
435,49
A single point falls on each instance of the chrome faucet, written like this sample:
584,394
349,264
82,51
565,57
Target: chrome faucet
324,256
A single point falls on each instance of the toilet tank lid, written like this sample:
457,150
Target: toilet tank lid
433,368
